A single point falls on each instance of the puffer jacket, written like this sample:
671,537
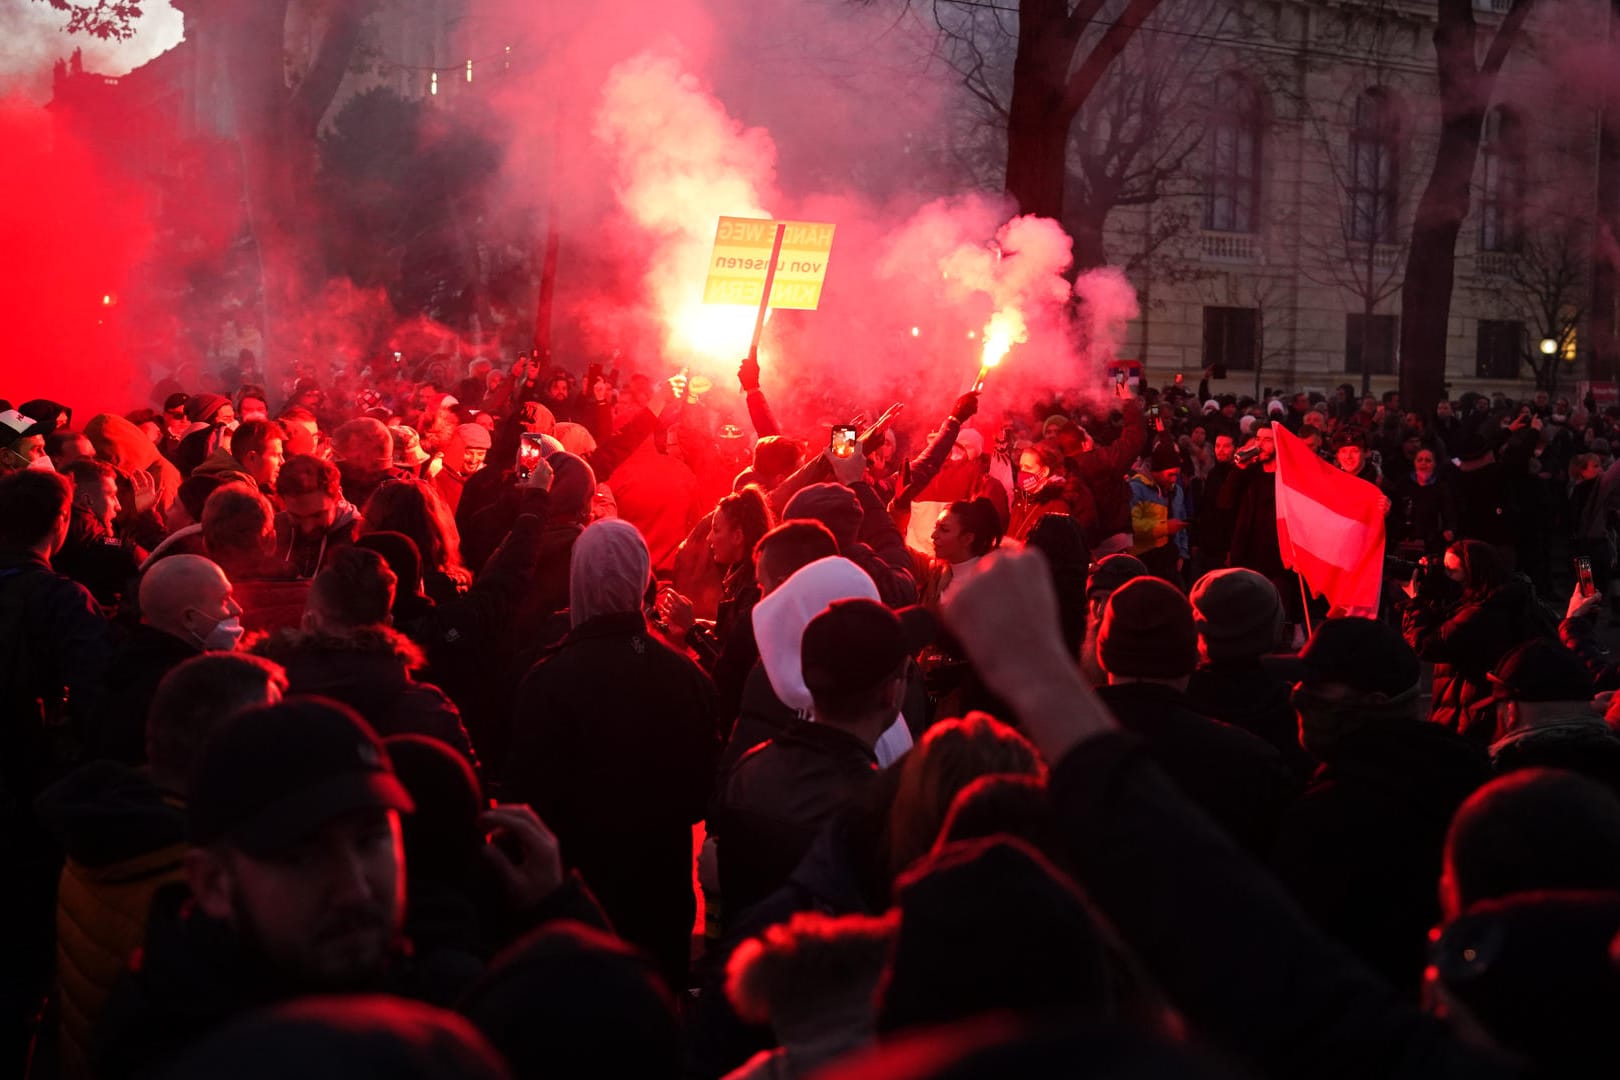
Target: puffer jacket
125,840
1467,640
1151,513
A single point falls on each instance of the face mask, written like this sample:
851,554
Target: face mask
42,463
1028,482
232,426
224,636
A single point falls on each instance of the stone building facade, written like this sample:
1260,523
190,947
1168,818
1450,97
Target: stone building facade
1320,126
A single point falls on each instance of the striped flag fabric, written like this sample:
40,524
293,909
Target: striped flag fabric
1330,527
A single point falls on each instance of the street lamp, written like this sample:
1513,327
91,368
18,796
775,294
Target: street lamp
1549,346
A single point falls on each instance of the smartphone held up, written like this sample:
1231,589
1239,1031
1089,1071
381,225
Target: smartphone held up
531,448
845,437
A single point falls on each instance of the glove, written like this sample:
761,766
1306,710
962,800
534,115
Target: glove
748,374
966,406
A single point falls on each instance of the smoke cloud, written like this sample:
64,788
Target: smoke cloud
622,131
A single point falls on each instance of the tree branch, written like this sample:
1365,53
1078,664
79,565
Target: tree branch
1091,70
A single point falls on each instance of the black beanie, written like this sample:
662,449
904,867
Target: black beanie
988,925
1147,632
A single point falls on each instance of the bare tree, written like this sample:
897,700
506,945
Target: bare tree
1362,164
1548,284
1130,141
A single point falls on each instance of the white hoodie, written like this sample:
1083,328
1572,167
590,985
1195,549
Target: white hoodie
779,622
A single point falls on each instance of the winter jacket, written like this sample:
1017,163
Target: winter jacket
1251,495
1250,695
1212,531
141,659
1464,642
1421,512
1061,498
307,554
1250,973
192,975
658,495
1238,780
468,641
370,670
1102,470
124,839
1361,848
222,465
359,484
614,745
95,559
1151,512
774,801
125,447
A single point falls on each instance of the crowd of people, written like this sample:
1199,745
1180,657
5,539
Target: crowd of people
499,722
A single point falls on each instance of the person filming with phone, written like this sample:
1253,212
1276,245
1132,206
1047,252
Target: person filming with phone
1465,613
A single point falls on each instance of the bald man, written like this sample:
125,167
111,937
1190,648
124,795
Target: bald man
186,609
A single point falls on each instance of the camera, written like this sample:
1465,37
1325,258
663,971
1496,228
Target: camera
1429,571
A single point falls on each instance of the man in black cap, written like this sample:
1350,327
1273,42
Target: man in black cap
1361,849
778,795
297,881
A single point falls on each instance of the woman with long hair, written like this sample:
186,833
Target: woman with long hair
414,508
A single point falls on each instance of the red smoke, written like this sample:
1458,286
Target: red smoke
72,234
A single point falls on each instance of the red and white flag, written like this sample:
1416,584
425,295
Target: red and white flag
1330,527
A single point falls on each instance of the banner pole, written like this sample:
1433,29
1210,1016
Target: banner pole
765,295
1305,602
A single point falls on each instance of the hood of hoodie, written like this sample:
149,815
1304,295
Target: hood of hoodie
367,669
609,571
779,622
120,443
106,813
221,464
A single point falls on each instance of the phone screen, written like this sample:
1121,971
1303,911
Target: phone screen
843,440
1583,571
529,453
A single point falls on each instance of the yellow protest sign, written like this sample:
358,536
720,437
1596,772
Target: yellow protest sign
742,255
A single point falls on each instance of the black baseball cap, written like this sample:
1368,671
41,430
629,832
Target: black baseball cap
1364,654
175,401
271,776
856,644
1541,670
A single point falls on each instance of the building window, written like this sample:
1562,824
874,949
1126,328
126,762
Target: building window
1502,182
1234,157
1374,167
1501,344
1231,337
1371,340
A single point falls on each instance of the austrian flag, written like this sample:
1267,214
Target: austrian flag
1330,527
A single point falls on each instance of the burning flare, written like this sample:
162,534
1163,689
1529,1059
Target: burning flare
1005,329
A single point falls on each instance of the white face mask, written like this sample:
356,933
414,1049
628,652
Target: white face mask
42,463
224,636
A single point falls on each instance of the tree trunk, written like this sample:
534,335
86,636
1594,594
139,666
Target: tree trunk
1604,332
1431,262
